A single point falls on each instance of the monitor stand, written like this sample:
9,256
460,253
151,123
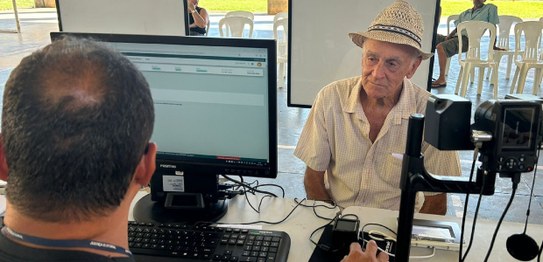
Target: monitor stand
171,211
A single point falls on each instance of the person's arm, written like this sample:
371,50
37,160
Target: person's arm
436,204
314,185
200,18
369,255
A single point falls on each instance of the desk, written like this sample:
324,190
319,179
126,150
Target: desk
303,221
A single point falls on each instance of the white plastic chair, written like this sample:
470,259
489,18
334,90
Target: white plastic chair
450,20
247,14
281,37
529,56
280,15
235,26
506,21
477,56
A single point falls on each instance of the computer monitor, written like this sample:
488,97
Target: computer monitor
215,113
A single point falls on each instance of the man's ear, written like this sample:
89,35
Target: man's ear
414,67
3,161
146,166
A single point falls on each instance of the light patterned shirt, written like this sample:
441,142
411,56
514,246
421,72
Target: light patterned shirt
335,139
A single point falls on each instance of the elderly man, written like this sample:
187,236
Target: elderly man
447,46
76,123
357,127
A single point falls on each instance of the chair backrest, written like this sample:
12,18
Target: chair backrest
277,34
280,15
531,32
234,26
475,31
450,19
247,14
504,29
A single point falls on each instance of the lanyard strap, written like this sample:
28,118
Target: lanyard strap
92,244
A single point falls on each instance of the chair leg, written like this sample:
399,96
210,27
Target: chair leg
465,78
458,82
495,81
508,70
538,74
522,79
480,82
447,65
514,82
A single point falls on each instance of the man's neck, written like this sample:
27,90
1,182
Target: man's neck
477,6
110,229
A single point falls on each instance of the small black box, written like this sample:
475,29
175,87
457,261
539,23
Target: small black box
447,124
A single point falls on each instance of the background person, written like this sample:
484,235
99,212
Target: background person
447,46
198,18
357,127
76,123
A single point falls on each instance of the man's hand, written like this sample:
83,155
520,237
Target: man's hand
356,253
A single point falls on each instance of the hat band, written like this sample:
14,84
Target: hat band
395,29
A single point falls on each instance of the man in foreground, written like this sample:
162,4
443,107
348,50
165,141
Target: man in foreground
76,123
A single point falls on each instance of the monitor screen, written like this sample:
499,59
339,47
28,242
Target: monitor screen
215,109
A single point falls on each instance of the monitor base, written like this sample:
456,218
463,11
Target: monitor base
147,210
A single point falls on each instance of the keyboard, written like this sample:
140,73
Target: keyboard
207,242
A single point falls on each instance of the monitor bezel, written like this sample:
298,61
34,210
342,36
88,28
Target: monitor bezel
268,44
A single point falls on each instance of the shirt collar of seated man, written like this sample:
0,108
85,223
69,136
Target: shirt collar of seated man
85,92
478,4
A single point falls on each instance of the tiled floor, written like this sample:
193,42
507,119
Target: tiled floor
37,23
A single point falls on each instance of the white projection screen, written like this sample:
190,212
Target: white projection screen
321,51
144,17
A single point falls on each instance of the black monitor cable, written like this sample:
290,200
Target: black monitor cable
247,188
314,207
270,222
521,246
515,178
472,171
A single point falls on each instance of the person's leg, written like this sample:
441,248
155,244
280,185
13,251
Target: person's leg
445,50
442,61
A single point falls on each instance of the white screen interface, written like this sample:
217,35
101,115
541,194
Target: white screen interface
210,101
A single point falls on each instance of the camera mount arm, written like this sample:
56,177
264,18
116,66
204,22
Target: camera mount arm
415,178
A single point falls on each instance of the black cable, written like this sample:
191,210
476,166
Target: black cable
269,222
531,194
280,187
516,179
252,189
475,153
540,251
314,208
474,220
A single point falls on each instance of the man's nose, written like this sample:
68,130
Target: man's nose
379,70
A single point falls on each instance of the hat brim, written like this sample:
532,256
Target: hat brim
359,38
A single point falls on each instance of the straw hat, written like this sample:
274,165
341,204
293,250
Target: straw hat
399,23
